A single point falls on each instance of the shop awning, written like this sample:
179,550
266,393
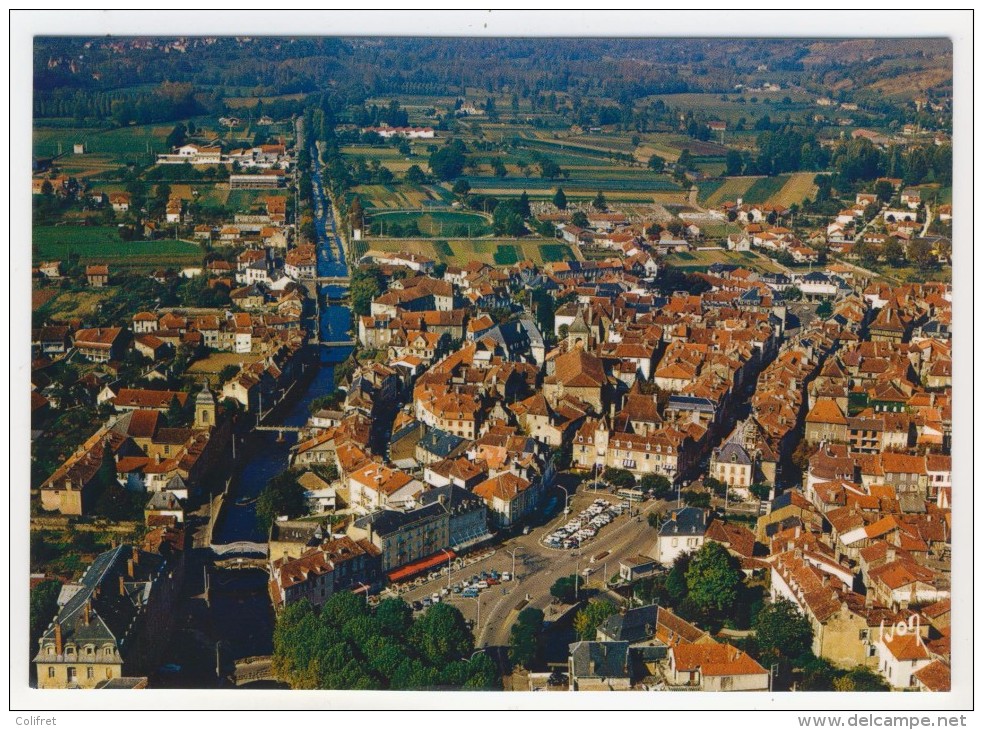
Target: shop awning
408,571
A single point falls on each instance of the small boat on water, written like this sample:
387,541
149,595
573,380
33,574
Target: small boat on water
243,501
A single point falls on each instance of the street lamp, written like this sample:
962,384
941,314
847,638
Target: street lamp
450,556
566,503
477,619
366,587
512,553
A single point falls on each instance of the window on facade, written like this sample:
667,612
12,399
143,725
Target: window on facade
675,542
89,672
51,672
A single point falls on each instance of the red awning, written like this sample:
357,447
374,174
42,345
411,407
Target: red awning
407,571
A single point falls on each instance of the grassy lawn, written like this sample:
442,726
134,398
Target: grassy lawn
436,224
102,244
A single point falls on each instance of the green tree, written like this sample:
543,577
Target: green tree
734,163
884,191
782,631
415,175
549,169
893,252
560,199
599,202
441,635
658,484
227,373
524,209
861,679
760,491
713,579
676,587
447,162
792,294
394,616
507,219
281,496
656,163
482,673
825,309
590,617
921,254
564,589
692,498
818,675
461,188
621,478
43,607
715,485
367,283
579,219
525,637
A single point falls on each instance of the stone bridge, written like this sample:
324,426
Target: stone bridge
242,563
240,549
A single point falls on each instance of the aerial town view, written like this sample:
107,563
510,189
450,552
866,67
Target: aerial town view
526,365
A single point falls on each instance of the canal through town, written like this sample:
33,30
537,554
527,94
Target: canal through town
241,614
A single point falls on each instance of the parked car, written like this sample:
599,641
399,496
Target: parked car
506,577
493,582
417,606
482,584
456,589
435,598
426,602
600,556
470,592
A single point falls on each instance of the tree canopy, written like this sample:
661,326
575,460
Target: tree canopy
348,645
590,617
283,495
713,579
525,637
782,631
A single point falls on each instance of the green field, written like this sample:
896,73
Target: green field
436,224
764,188
121,144
103,245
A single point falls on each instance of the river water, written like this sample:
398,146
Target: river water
265,457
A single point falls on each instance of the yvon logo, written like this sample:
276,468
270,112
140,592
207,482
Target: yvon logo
903,628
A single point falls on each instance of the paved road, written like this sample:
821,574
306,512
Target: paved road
537,567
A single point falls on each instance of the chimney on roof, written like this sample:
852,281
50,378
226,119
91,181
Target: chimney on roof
58,645
868,600
122,586
86,611
129,567
136,556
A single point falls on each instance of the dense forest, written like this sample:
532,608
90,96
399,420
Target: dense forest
81,77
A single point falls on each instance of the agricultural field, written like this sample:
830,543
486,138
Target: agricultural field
800,186
700,260
211,366
436,224
763,188
731,107
119,144
103,245
732,189
460,252
69,304
399,196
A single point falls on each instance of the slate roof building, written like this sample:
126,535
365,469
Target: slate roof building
114,624
599,665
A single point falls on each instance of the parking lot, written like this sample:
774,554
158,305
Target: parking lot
536,567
